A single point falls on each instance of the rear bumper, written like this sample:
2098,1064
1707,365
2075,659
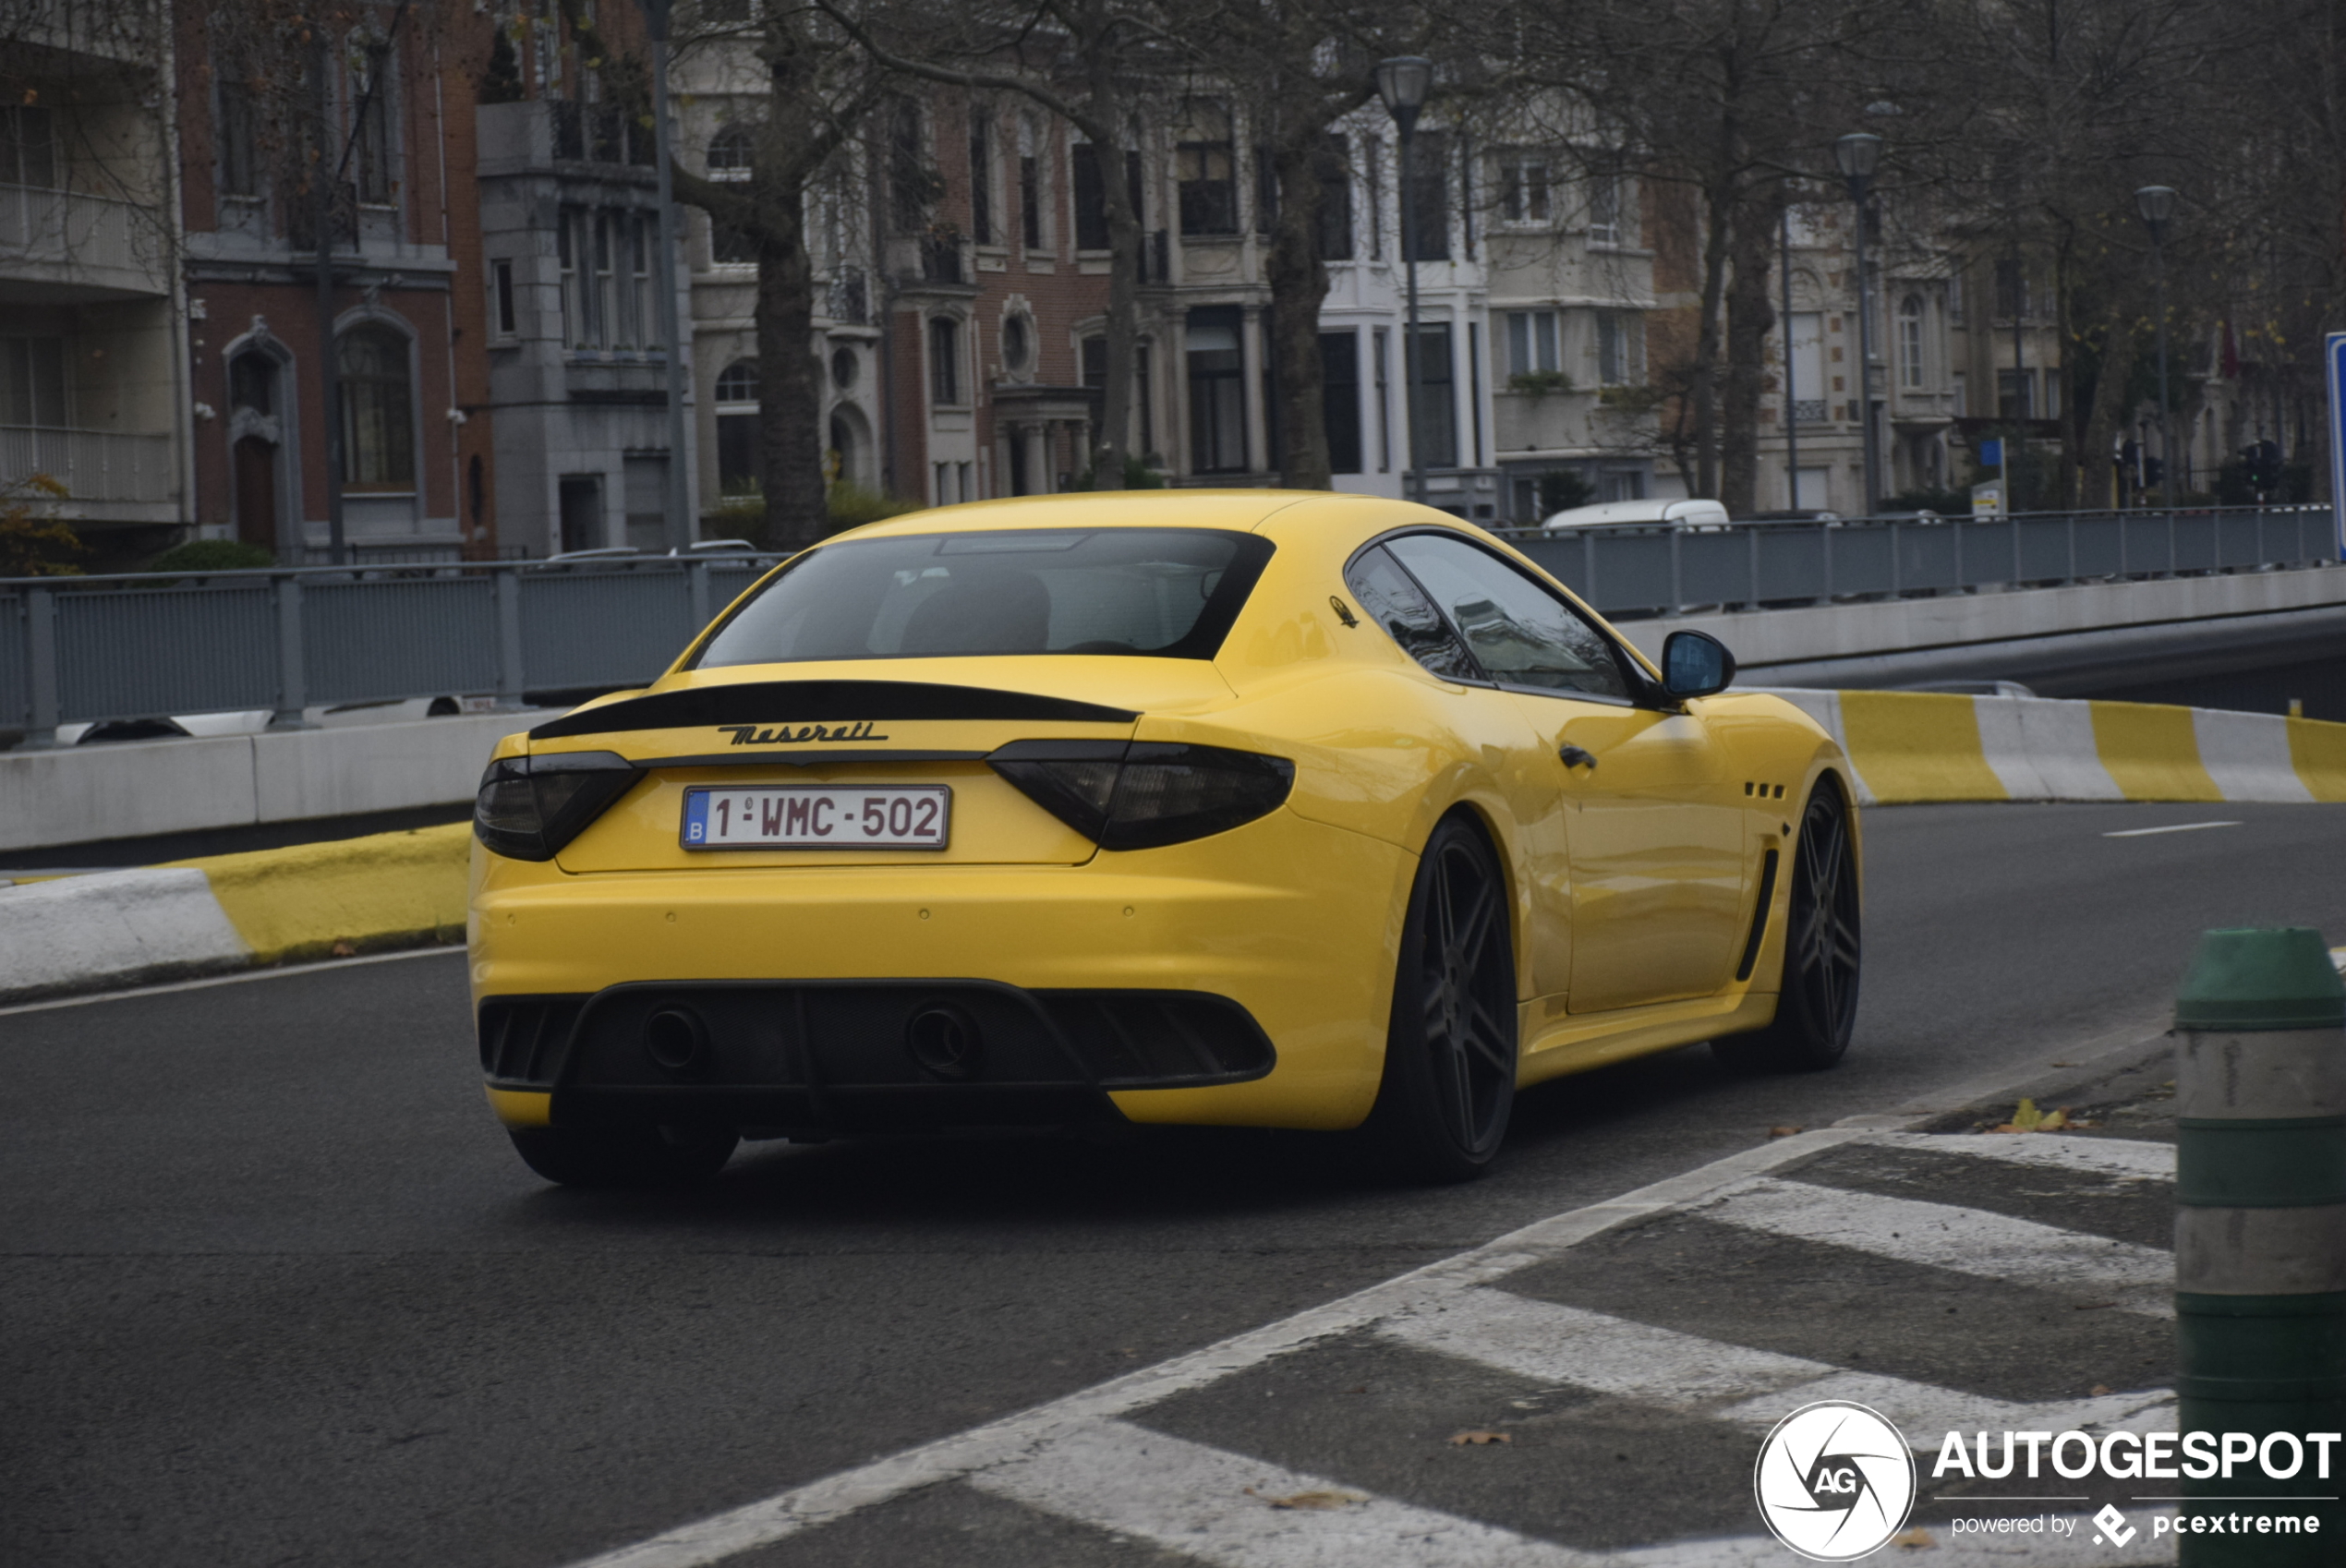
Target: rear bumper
1286,924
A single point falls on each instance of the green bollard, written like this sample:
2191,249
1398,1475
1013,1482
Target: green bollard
2260,1237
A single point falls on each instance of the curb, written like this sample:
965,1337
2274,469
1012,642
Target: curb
1910,747
223,912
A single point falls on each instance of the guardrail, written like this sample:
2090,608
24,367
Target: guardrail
140,647
143,646
1657,570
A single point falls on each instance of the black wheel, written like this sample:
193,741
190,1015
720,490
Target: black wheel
1450,1050
1817,1004
625,1156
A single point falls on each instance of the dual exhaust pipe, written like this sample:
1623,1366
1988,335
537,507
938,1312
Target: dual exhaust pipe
943,1040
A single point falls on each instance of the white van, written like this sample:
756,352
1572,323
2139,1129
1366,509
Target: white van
1630,513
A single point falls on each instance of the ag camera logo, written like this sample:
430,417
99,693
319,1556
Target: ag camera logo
1834,1481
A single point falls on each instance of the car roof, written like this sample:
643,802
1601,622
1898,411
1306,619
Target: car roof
1239,510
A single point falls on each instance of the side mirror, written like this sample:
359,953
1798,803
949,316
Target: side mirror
1695,663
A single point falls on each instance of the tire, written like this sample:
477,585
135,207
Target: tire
1450,1048
1817,1000
625,1156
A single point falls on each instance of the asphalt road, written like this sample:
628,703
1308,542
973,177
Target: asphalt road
277,1292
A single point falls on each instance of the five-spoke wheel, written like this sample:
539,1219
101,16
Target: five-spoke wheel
1817,1006
1450,1051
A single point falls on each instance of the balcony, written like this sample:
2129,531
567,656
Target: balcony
105,475
63,247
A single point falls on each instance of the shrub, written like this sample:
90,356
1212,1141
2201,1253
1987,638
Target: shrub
1138,476
32,545
211,555
851,505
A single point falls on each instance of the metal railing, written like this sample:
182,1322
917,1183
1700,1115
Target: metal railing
141,646
91,465
76,649
61,228
1657,569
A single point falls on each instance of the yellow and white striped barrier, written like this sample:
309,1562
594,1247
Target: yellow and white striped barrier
1913,746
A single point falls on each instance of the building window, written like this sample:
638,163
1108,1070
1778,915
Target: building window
1531,342
1334,168
1437,402
2011,289
501,299
566,259
1018,344
2012,399
1030,187
378,411
33,382
599,285
1604,209
1091,197
1093,355
1523,189
1617,348
2052,393
1426,194
981,179
1807,366
1144,398
1207,165
729,153
1340,399
1380,344
910,186
252,382
1217,391
738,467
370,142
1910,343
943,362
239,138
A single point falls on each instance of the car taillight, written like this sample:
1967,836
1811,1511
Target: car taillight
1146,793
529,807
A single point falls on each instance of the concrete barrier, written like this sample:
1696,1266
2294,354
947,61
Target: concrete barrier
132,788
1907,747
404,889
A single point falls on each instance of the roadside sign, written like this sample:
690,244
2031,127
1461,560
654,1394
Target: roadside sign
1989,452
1988,499
2334,363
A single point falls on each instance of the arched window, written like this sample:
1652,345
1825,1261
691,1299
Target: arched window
738,456
1910,343
378,411
729,154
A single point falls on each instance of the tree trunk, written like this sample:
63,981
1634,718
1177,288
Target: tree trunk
790,385
1751,315
2121,348
1298,282
1108,119
1703,380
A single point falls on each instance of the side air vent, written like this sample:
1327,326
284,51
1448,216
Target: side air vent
525,1038
1160,1039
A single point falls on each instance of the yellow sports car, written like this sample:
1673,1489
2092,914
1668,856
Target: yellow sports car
1262,808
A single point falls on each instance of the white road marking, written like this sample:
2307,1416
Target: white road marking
2172,827
1969,1242
1656,1365
279,971
2125,1157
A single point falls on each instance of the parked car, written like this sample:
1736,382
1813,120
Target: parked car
1626,514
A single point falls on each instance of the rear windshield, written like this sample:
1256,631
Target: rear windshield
1170,593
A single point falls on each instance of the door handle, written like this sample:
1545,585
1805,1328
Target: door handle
1573,756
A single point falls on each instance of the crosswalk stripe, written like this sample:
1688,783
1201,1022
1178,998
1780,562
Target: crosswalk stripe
2095,1156
1211,1505
1567,1346
1968,1241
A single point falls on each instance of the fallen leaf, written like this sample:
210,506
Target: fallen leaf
2054,1120
1781,1131
1479,1439
344,951
2026,1118
2099,1390
1915,1537
1320,1499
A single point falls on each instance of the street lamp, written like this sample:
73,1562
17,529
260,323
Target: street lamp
1402,82
1858,154
679,507
2156,205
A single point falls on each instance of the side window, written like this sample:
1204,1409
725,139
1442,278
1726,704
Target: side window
1395,603
1523,634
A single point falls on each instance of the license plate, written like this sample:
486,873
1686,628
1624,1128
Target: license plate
818,816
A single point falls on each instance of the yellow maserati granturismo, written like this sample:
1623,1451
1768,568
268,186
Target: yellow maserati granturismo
1265,808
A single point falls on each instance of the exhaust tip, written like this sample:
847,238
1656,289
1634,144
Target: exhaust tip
945,1040
676,1041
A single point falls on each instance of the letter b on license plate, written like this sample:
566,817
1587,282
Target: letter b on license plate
818,816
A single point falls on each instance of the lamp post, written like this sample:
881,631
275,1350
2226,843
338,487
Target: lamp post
1858,154
2156,205
678,508
1402,82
